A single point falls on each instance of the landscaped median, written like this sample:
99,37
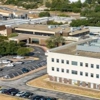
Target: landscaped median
7,97
43,82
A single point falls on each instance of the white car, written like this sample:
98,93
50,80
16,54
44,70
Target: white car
20,93
19,57
9,65
5,61
18,63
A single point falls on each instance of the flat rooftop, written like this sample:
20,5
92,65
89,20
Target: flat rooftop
41,27
26,36
71,49
57,29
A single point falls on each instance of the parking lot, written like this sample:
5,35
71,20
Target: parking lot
24,94
26,66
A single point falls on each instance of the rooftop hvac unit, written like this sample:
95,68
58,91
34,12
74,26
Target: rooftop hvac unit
51,26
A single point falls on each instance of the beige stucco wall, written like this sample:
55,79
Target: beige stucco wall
3,32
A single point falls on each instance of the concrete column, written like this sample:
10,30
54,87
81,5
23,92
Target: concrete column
51,78
65,80
27,41
99,86
33,32
89,85
78,83
70,81
83,84
94,86
55,79
60,79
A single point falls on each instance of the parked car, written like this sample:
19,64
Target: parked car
38,98
25,70
18,63
12,91
5,61
9,65
1,69
19,94
27,95
3,90
28,61
6,76
19,57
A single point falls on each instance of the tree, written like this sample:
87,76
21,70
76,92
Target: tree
44,14
55,41
50,43
12,48
23,51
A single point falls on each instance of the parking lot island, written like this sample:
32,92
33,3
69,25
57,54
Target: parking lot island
43,82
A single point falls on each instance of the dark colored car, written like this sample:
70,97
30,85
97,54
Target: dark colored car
38,98
49,98
3,90
25,70
1,69
27,95
12,91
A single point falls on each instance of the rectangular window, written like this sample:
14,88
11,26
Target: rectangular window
97,75
67,71
92,66
52,59
97,66
74,72
91,74
81,73
57,60
86,64
57,69
74,63
62,61
86,74
67,62
81,64
62,70
52,68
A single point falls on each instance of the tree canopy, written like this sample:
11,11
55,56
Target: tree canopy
13,48
44,14
55,41
23,51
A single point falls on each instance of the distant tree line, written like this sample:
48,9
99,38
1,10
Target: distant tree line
28,4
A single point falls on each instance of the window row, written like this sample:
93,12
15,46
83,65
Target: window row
75,63
74,72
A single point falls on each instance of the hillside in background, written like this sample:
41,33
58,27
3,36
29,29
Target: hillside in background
86,8
28,4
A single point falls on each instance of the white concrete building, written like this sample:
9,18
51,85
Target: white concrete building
94,30
77,63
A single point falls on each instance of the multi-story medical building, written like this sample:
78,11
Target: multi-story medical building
77,63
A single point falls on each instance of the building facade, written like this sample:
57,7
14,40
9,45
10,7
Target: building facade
5,31
74,69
